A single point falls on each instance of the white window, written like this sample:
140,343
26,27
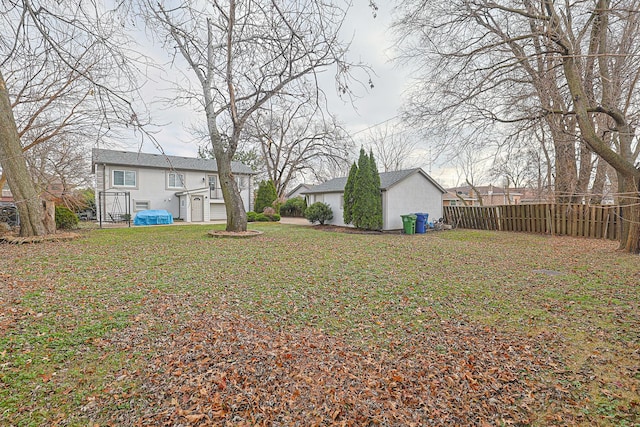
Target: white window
240,182
123,178
214,193
175,180
141,205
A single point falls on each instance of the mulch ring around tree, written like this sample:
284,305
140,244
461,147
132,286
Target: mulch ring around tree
228,370
234,234
57,237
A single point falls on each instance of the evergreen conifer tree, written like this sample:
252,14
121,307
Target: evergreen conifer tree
266,195
376,195
362,192
347,213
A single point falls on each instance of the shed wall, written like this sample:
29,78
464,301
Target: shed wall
413,194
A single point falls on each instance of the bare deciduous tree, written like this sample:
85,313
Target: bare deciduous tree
392,147
295,138
243,53
573,66
55,57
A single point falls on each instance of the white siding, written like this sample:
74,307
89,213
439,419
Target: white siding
152,186
334,200
413,194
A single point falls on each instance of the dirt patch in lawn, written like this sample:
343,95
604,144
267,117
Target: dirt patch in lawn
227,370
234,234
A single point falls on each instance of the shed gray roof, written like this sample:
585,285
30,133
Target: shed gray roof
127,158
387,180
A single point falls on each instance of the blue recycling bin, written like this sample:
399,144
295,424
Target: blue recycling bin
421,222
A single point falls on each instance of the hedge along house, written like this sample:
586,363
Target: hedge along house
403,192
189,188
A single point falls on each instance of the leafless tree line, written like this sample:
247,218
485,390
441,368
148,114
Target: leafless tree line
568,71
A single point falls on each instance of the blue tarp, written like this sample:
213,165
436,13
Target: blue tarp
153,217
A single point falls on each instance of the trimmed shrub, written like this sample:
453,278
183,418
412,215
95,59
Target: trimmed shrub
319,212
260,217
65,219
294,207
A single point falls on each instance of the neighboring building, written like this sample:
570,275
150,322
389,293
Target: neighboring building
403,192
187,187
452,199
6,194
488,195
298,191
534,196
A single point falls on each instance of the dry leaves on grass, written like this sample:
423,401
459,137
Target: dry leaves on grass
230,371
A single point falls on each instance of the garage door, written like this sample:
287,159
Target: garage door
218,212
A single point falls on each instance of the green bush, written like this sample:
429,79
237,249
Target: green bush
319,212
294,207
260,217
65,219
265,195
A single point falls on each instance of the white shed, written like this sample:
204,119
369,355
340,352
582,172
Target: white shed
403,192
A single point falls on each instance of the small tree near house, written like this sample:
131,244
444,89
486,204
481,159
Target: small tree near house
319,212
265,196
363,199
348,194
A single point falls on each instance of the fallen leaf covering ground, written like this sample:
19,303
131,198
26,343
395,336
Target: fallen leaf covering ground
227,370
165,326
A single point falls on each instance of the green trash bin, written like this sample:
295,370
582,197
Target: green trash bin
409,223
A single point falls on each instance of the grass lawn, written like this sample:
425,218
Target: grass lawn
164,325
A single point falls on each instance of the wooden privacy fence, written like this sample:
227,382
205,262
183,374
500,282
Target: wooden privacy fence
595,221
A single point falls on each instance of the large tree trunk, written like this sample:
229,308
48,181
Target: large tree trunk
630,230
622,161
15,169
566,173
584,174
236,214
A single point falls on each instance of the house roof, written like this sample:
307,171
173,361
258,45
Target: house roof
127,158
387,180
298,187
484,190
452,196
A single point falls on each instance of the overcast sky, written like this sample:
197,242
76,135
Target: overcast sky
371,44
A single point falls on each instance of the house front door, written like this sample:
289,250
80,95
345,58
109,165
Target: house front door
197,211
